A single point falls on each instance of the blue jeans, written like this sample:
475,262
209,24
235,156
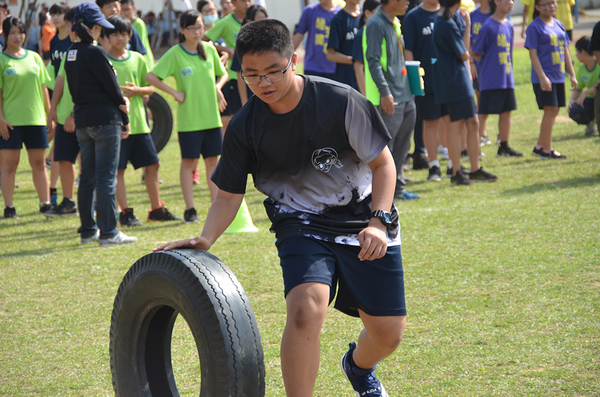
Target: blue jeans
100,146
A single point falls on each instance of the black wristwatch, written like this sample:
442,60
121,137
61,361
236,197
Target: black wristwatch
383,216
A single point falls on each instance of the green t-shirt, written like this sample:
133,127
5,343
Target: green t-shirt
52,81
21,82
133,69
586,79
140,26
196,77
65,106
227,29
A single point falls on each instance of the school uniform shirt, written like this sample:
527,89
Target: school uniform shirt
21,82
312,163
563,11
65,106
196,77
58,49
357,47
417,31
133,69
451,79
385,59
587,78
94,87
135,43
316,21
478,18
140,27
344,28
227,29
495,43
550,42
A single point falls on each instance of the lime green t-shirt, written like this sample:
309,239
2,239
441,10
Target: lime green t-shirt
196,77
586,78
21,82
52,81
140,26
133,69
227,29
65,106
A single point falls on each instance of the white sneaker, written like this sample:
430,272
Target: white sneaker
92,239
445,154
589,129
119,238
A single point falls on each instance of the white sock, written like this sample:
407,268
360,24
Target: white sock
434,163
449,163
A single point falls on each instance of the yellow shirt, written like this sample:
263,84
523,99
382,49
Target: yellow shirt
563,12
468,4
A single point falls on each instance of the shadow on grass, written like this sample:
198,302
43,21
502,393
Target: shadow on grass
563,184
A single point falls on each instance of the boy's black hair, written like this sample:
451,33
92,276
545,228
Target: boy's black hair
59,8
127,2
201,3
447,4
8,23
583,44
102,3
121,25
266,35
189,18
70,15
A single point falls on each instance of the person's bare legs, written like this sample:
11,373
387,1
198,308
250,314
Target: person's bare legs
121,190
37,160
210,163
186,180
455,143
300,344
430,138
472,125
54,169
545,138
225,120
67,178
378,339
152,185
482,130
504,126
10,163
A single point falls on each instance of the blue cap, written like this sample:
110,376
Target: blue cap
90,14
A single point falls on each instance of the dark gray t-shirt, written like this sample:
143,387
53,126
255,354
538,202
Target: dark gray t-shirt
312,162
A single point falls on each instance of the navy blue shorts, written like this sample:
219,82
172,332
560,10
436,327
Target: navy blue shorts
207,143
232,96
33,136
66,146
427,109
464,109
139,150
497,101
556,97
375,287
585,114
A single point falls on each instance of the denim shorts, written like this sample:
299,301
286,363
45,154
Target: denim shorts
66,146
375,287
207,143
33,136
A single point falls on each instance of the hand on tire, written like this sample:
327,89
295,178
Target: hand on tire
197,242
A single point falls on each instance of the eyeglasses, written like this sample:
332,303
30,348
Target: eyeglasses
551,4
272,77
195,29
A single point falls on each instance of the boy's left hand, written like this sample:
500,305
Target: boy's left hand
373,241
573,81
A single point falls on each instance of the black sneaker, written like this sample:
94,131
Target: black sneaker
48,210
127,218
420,161
190,216
482,176
459,179
508,152
10,213
450,172
162,214
68,207
435,174
464,153
553,155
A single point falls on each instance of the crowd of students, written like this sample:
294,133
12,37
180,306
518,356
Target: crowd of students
467,59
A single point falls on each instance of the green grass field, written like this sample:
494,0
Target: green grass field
502,281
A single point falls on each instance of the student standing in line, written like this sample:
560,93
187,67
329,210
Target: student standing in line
128,11
547,42
358,55
344,28
195,65
454,88
494,52
113,7
101,120
23,106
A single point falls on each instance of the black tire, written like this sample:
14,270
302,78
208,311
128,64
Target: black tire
162,118
201,288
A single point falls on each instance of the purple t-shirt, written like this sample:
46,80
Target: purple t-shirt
478,18
495,43
315,20
550,42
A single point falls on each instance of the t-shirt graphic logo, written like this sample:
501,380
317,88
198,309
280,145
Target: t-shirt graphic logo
72,55
9,72
324,159
186,72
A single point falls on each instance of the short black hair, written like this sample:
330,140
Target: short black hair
70,15
121,25
583,44
266,35
102,3
59,8
127,2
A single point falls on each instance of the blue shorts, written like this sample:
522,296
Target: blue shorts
460,110
66,146
376,287
585,114
232,96
139,150
207,143
33,136
427,109
497,101
556,97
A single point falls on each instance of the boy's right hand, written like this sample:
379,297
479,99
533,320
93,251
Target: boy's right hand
199,243
4,129
545,84
387,104
179,97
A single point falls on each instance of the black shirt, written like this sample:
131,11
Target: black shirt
135,43
94,87
58,48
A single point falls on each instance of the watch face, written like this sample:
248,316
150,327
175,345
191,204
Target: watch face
387,219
